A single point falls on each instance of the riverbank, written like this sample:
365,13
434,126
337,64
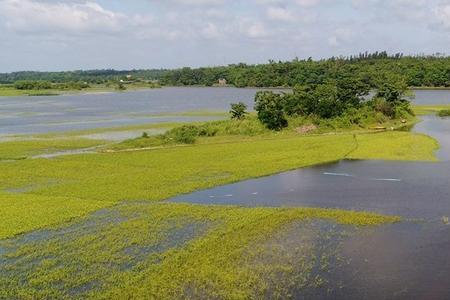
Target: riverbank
11,91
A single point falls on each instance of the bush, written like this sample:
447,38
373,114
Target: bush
186,134
32,85
444,113
270,110
381,105
238,111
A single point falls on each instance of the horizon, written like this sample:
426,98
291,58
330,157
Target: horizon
49,36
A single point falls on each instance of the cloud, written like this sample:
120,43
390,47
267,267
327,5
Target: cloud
279,14
39,17
442,13
168,33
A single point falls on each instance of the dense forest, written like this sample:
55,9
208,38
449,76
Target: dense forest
418,71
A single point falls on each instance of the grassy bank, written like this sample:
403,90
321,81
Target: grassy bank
162,173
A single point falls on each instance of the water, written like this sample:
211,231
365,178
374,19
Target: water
408,260
31,115
432,97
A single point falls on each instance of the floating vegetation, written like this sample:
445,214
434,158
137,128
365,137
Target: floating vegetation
161,250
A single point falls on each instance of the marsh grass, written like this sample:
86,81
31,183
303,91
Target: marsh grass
169,171
13,150
165,251
429,109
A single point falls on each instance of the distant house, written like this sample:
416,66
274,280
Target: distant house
222,82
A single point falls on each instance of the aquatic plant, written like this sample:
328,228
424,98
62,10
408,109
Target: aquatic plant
167,251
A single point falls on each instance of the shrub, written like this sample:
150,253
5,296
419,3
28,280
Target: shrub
238,111
270,110
444,113
186,134
381,105
32,85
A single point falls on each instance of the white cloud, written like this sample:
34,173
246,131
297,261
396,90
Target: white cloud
40,17
204,32
279,14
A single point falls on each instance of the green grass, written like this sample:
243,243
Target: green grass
137,246
173,251
13,150
22,213
163,173
428,109
10,91
395,145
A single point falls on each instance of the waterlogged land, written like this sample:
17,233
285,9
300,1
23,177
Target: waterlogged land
96,226
8,90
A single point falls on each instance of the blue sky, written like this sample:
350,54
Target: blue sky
86,34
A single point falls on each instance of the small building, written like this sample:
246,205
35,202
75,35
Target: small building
222,82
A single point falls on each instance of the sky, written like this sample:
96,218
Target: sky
51,35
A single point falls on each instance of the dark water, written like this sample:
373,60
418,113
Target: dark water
408,260
28,115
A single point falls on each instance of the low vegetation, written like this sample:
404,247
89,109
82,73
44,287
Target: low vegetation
163,173
167,251
444,113
14,150
22,213
421,110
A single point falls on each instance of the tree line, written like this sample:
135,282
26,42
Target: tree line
418,71
90,76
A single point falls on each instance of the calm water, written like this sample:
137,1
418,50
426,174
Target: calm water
27,115
419,190
409,260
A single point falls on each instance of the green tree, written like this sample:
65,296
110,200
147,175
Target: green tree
270,108
238,111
